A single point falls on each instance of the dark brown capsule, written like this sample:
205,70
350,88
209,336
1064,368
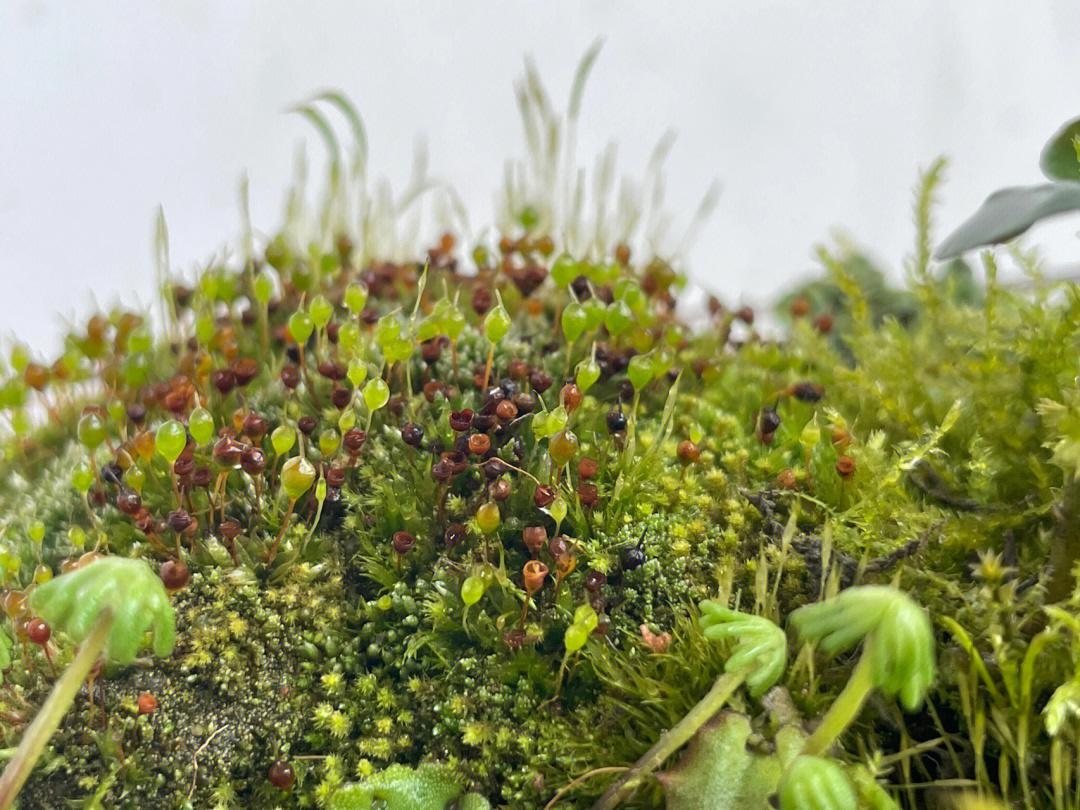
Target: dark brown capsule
543,496
174,574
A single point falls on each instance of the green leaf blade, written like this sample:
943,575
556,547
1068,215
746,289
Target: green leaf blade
1008,213
1060,159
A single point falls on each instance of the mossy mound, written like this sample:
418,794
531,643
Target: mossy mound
389,492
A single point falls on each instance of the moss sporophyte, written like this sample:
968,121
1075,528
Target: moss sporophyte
487,524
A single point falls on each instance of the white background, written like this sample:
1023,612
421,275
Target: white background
812,114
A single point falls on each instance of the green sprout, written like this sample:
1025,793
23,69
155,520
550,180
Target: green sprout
815,783
758,660
428,787
897,658
106,606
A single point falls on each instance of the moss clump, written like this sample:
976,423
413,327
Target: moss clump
343,458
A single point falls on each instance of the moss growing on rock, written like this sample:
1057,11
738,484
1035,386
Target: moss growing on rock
446,517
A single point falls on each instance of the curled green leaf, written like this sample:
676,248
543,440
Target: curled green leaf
815,783
129,589
760,646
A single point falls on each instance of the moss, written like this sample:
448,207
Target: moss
927,437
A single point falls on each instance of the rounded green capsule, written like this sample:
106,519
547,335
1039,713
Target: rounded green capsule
585,615
387,330
453,322
205,329
36,531
564,269
588,372
356,297
321,311
471,590
301,326
116,410
297,476
640,371
77,536
618,318
264,286
574,321
201,425
91,431
497,324
349,336
357,372
170,440
329,440
82,477
398,349
575,637
135,478
283,438
488,517
595,310
376,394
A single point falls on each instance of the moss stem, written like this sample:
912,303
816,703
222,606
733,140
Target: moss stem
52,712
845,708
674,739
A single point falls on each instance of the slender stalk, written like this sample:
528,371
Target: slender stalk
52,712
673,739
281,534
844,709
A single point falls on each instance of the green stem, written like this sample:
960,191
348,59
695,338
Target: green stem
845,708
673,739
52,712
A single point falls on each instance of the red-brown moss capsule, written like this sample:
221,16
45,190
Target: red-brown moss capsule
570,397
431,350
506,410
786,479
533,574
403,542
442,470
282,775
687,452
354,439
128,501
534,538
253,460
307,424
824,323
558,547
255,426
174,574
616,420
543,496
432,388
38,631
412,434
799,307
845,467
230,529
517,369
500,490
594,581
746,315
335,476
224,380
290,376
540,380
479,444
588,494
340,398
587,468
457,460
841,438
147,703
179,519
482,300
622,253
461,420
454,535
245,369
